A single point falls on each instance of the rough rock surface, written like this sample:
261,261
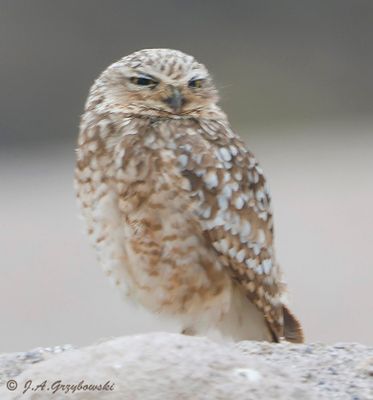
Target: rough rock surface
169,366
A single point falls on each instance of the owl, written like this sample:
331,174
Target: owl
176,207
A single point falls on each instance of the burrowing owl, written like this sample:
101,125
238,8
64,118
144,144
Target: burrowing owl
176,206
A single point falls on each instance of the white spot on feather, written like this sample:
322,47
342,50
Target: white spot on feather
259,169
197,158
92,146
222,202
119,158
239,202
233,150
227,191
218,221
211,180
251,263
206,212
224,245
256,248
85,174
252,162
186,185
226,177
217,246
232,252
245,228
186,147
241,255
259,269
227,226
225,154
238,175
261,236
267,266
183,160
149,140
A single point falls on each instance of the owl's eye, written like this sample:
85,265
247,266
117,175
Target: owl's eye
142,81
196,83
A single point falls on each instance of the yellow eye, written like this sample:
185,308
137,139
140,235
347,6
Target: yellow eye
142,81
196,83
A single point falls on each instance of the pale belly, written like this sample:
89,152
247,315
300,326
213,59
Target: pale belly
170,271
157,256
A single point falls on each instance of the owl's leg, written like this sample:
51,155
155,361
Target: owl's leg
189,332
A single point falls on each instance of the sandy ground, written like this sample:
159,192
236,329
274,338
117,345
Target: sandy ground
52,291
160,366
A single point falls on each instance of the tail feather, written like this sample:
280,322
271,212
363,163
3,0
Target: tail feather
293,331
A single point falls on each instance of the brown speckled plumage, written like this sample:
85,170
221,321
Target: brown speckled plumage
176,207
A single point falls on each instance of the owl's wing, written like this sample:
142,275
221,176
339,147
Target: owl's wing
236,218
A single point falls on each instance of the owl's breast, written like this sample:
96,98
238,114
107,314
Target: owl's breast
147,232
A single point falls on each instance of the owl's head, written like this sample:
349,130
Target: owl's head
157,82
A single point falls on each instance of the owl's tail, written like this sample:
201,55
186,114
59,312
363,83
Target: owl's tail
293,331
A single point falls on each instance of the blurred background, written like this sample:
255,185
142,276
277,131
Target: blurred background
296,81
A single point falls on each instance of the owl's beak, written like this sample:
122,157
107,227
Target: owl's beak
175,100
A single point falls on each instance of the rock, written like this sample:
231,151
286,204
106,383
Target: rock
170,366
11,365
